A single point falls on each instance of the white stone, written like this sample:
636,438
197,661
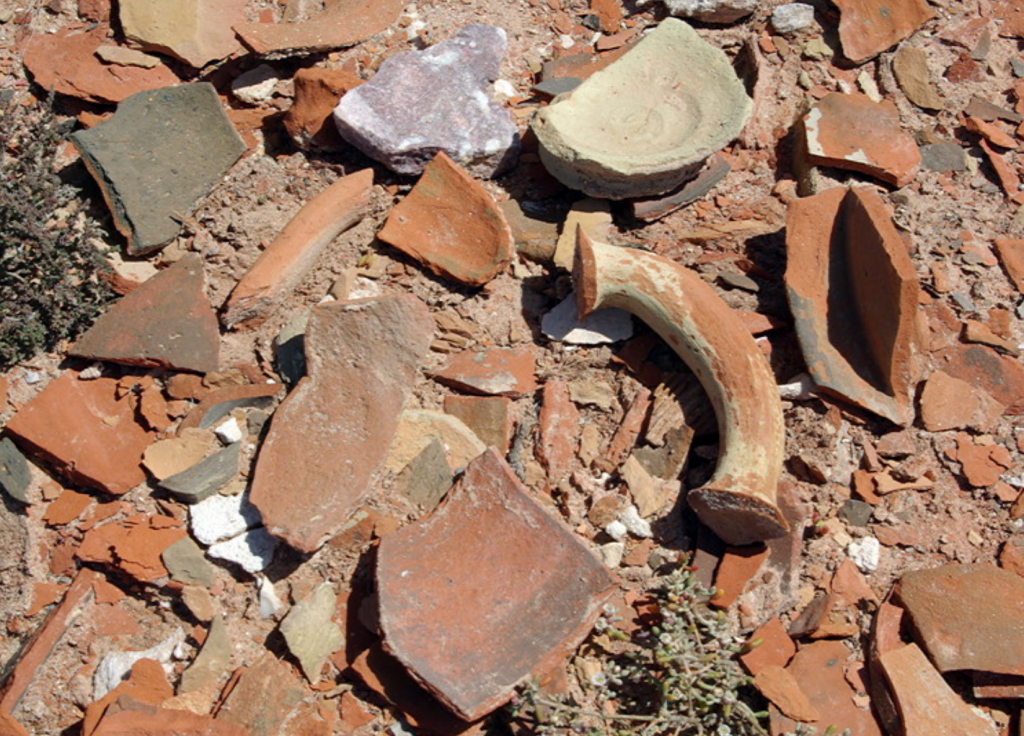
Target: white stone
229,431
712,11
270,604
92,372
611,554
222,517
251,551
602,326
504,88
634,523
115,666
256,85
799,387
792,17
865,554
616,530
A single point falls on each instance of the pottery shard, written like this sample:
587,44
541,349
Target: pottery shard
1011,254
309,120
869,27
422,102
295,251
66,62
785,693
491,372
450,224
999,375
967,617
485,591
926,704
343,23
490,417
910,65
559,423
148,165
165,323
89,434
264,697
853,291
139,719
194,31
949,403
330,436
851,131
668,122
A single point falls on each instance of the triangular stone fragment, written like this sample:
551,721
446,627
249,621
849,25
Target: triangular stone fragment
165,323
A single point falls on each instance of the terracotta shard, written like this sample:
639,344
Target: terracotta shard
330,436
344,23
450,224
853,291
967,617
140,719
165,323
66,62
926,704
776,647
738,567
869,27
195,31
317,91
492,372
559,424
89,434
295,251
999,375
851,131
1011,254
485,591
950,403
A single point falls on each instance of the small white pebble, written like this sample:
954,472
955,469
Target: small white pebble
229,432
566,42
611,554
270,604
504,88
92,372
616,530
32,377
799,387
637,526
865,554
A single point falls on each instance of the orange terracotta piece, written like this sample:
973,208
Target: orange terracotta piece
330,436
559,424
317,91
738,567
491,372
851,131
65,61
68,507
473,614
982,465
999,375
297,248
853,291
785,693
869,27
167,322
949,403
86,431
146,683
1011,255
140,719
344,23
775,648
134,545
452,225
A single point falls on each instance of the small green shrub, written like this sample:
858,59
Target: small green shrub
678,677
50,288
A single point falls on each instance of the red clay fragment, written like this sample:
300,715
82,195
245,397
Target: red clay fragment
344,23
140,719
999,375
559,423
89,434
9,726
1011,255
926,704
167,322
776,647
295,251
851,131
869,27
485,591
949,403
491,372
146,683
330,436
738,567
853,291
66,62
317,92
967,617
1006,174
134,545
452,225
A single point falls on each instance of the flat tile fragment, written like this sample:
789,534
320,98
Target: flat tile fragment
967,617
343,23
471,614
263,699
310,633
85,431
910,65
452,225
148,166
422,102
999,375
851,131
167,322
490,417
869,27
1011,255
491,372
950,403
195,31
330,436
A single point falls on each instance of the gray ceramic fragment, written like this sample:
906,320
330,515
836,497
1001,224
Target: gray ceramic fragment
15,477
161,152
556,86
206,477
943,156
427,477
186,563
217,412
422,102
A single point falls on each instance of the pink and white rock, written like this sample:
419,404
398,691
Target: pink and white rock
330,436
422,102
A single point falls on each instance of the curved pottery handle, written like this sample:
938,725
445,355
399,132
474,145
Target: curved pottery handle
739,501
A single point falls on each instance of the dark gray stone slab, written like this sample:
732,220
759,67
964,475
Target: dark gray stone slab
943,156
157,156
422,102
14,473
207,477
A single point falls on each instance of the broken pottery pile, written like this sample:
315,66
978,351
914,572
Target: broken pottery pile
448,335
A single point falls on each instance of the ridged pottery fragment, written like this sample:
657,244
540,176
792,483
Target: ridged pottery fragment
646,123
